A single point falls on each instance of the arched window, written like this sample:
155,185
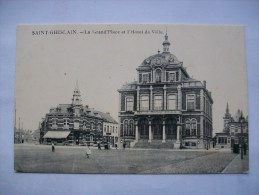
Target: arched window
125,127
131,127
193,127
187,127
158,75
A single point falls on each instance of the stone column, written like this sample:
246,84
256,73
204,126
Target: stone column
154,75
136,131
201,127
151,98
179,97
177,143
149,132
164,97
163,141
138,98
201,100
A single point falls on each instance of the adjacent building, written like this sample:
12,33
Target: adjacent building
165,105
74,123
233,131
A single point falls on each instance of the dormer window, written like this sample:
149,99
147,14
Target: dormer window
158,75
171,76
145,78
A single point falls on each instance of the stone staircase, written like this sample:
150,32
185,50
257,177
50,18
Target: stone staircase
155,144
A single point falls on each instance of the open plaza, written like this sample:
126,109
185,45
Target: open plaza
72,159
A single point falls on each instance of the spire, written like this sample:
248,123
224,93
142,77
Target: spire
76,100
227,114
227,109
166,43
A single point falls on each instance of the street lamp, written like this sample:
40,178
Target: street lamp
241,121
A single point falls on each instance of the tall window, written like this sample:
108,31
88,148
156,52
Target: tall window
129,104
54,123
190,102
144,102
158,102
193,127
145,78
171,102
125,127
92,126
187,127
158,75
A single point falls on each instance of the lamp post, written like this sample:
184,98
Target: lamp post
241,121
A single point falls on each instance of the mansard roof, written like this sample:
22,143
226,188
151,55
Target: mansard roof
164,59
107,117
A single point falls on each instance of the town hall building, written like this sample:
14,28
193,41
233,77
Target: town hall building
165,106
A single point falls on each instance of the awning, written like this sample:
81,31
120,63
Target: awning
56,134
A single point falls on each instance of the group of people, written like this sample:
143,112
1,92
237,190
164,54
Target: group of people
88,150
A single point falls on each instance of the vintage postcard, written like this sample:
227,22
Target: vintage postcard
131,99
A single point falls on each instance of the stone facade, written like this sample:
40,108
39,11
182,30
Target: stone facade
165,104
233,130
83,124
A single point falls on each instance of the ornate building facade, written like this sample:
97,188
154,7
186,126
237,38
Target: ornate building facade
165,105
233,130
74,123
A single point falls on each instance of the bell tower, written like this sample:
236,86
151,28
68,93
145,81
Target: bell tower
166,44
76,100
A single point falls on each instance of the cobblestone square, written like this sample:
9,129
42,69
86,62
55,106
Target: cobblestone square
39,158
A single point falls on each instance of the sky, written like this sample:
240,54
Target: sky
48,65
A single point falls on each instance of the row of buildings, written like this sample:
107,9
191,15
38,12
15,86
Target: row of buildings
77,124
164,107
235,130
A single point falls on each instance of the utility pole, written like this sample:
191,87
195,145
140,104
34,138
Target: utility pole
19,131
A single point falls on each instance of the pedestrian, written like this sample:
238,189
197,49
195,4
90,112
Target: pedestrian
116,146
88,152
245,148
124,145
53,147
99,146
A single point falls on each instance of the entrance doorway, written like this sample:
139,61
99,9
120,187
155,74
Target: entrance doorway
157,128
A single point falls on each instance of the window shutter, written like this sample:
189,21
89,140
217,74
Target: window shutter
149,77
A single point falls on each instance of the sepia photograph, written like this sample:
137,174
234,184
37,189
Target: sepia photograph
131,99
